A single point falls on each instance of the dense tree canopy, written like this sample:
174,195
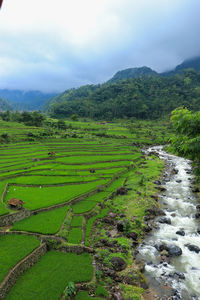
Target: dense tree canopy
147,97
186,140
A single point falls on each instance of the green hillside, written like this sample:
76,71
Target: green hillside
148,97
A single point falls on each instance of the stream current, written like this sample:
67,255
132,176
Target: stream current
178,202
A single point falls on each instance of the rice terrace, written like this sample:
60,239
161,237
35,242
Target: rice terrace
71,209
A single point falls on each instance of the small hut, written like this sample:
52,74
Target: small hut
15,203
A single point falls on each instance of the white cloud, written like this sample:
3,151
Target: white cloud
88,40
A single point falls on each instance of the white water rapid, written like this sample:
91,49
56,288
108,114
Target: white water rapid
178,202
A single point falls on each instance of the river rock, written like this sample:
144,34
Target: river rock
195,190
122,225
122,191
198,230
193,248
160,188
174,171
180,232
197,215
155,211
132,235
118,263
164,220
158,182
179,275
179,181
174,250
117,296
198,207
155,197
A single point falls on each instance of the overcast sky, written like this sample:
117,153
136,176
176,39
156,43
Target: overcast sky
52,45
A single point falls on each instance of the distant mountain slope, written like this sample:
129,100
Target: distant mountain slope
133,73
4,105
30,100
193,63
145,97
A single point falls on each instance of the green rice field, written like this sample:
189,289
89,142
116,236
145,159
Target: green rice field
68,195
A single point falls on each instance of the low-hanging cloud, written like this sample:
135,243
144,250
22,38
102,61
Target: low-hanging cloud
52,46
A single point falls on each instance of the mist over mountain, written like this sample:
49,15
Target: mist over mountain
26,100
5,105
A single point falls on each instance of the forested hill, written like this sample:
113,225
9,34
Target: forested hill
133,73
143,97
4,105
193,63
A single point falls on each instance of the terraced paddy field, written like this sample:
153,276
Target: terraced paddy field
74,191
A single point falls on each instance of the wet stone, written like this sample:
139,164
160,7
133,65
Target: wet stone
180,232
193,248
164,220
180,275
174,250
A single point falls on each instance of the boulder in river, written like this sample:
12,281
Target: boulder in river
179,181
164,220
174,250
193,248
180,232
158,182
179,275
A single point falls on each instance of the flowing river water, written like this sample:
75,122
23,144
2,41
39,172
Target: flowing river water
179,203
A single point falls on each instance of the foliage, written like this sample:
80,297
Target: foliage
149,97
69,290
186,140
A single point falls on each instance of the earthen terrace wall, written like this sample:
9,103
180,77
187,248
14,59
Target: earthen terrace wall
20,268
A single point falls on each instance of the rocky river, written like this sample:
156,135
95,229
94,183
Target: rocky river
171,251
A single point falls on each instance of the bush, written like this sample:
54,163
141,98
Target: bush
69,290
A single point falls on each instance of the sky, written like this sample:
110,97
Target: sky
53,45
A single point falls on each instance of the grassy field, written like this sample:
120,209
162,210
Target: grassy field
85,162
46,222
51,283
13,248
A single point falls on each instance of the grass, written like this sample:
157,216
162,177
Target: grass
3,209
39,197
89,159
90,224
75,236
46,222
83,206
55,270
77,221
48,180
13,248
